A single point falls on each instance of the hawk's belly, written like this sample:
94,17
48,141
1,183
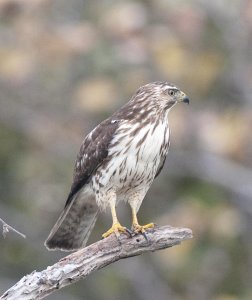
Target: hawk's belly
132,164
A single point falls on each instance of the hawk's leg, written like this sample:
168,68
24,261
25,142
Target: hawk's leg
135,225
116,227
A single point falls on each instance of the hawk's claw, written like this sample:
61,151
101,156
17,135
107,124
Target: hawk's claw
130,232
145,236
142,229
116,228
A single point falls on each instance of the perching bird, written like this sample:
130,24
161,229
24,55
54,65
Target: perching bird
118,160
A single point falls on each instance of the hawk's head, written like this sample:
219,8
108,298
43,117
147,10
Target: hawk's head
163,94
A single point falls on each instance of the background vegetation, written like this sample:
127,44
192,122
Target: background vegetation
64,67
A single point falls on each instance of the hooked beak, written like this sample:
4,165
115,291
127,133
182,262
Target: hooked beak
183,98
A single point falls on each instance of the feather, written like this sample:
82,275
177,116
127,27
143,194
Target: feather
93,151
119,159
75,223
78,218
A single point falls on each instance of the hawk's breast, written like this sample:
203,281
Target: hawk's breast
134,156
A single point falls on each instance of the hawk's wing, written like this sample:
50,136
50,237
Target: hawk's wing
78,218
93,151
162,161
160,167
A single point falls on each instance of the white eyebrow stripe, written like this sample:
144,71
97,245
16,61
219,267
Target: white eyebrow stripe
172,88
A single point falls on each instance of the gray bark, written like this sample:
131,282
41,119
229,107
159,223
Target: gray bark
7,228
83,262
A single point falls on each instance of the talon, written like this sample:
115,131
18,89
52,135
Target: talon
141,228
116,228
130,232
145,236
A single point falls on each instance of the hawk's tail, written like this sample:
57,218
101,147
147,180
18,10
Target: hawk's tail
74,225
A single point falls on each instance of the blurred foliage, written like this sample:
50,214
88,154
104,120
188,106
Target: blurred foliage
67,65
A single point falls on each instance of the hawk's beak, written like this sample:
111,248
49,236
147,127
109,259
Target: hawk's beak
184,98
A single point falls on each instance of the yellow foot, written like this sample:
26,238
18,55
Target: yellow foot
141,228
116,228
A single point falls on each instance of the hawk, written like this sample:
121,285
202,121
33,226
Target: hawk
117,161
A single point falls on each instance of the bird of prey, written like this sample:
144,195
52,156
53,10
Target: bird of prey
117,161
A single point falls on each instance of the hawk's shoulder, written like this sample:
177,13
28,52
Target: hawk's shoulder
93,150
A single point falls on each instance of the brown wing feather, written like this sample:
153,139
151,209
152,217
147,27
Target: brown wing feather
75,223
162,162
160,167
93,151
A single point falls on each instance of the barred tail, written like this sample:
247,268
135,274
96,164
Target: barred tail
75,224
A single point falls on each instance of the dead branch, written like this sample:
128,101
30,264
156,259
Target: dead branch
82,263
7,228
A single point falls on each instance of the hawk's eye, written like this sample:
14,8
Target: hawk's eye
171,92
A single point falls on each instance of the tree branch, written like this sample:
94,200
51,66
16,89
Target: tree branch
7,228
83,262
